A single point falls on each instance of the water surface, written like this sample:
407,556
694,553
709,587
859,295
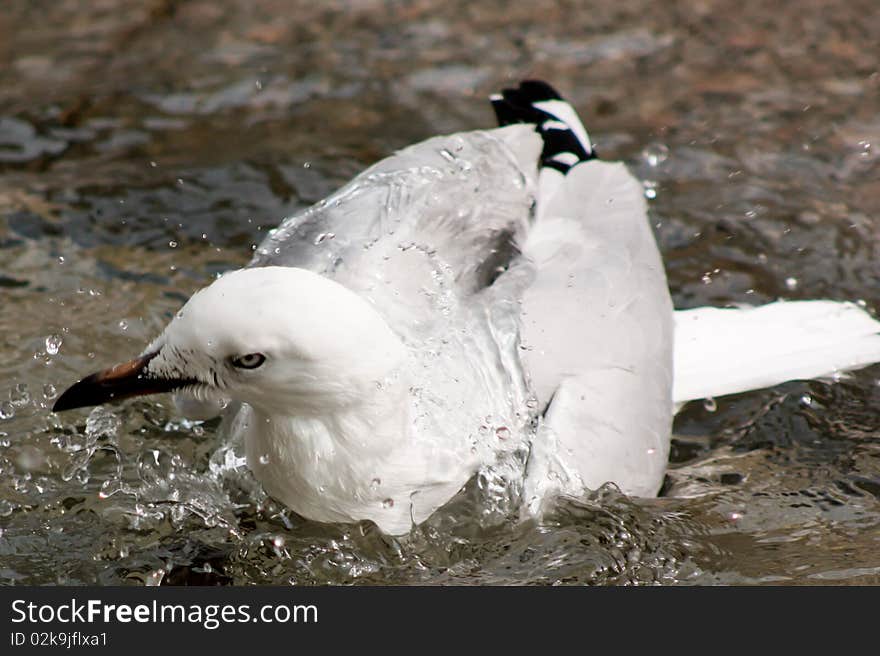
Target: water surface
147,146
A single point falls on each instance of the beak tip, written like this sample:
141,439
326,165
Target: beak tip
120,382
60,405
70,399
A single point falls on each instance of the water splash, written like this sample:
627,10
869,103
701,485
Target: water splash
53,344
655,154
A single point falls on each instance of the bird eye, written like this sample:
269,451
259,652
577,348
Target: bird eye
249,361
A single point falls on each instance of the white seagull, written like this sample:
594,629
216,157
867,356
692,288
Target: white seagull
471,298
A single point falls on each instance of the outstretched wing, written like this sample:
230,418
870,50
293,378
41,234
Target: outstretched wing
442,216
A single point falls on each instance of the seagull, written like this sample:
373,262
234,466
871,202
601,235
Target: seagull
486,300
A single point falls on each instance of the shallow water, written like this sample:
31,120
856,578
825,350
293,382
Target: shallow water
145,147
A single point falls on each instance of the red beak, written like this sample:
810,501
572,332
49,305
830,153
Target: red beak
123,381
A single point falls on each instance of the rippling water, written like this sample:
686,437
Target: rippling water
146,146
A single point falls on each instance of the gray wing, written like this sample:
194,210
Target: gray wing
444,213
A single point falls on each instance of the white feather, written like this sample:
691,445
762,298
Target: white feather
725,351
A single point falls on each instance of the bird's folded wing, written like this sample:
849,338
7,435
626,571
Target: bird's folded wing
597,331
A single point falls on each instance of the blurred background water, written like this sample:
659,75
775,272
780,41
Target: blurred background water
146,146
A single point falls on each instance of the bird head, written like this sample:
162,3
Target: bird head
282,339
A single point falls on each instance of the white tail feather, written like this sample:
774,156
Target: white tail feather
725,351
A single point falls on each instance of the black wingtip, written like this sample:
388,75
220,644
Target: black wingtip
517,105
561,144
538,91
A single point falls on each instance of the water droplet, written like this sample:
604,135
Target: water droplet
791,283
388,503
53,344
278,541
123,325
710,404
323,236
655,154
650,188
264,459
74,443
307,165
111,487
502,433
807,400
6,508
155,466
375,483
155,578
178,513
101,422
19,395
6,410
172,244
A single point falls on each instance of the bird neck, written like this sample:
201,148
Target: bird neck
371,426
343,465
